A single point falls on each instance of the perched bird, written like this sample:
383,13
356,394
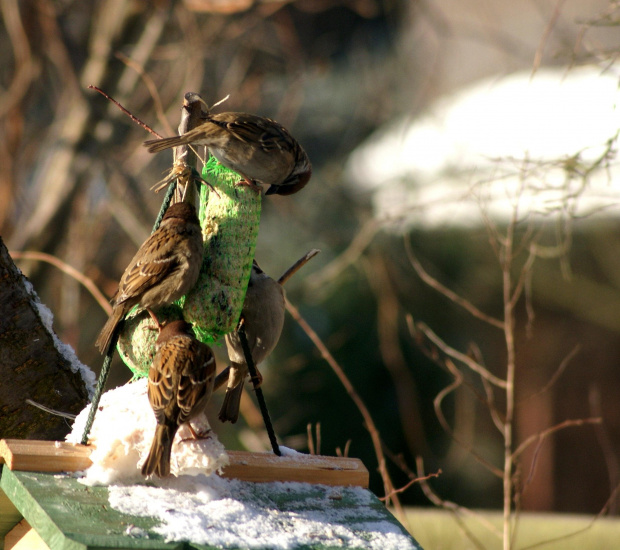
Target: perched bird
262,316
179,387
165,268
259,149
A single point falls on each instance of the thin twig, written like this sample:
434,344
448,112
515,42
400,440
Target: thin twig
87,282
545,37
132,117
311,447
524,275
347,447
432,352
602,512
297,265
369,422
457,355
488,390
455,509
458,380
151,86
410,483
549,431
360,242
556,375
605,441
452,296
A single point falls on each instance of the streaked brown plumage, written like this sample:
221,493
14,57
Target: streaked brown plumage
165,268
179,387
263,318
257,148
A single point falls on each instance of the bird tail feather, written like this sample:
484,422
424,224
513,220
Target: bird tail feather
230,406
105,336
158,460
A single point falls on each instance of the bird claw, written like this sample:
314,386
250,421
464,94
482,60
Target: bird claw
196,434
252,185
158,326
257,380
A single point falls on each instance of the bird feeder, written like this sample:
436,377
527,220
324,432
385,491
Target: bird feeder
43,505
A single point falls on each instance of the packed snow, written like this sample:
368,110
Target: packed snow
195,504
47,319
122,435
238,514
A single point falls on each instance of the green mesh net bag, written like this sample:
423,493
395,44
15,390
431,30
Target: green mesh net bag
229,217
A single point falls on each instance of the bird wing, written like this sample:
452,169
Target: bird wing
180,377
153,262
162,383
196,380
247,128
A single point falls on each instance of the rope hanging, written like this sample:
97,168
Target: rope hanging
107,361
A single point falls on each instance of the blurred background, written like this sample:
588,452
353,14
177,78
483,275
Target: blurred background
408,111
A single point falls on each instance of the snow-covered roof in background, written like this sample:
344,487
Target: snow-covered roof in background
439,168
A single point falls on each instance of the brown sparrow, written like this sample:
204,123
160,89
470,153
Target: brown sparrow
179,387
165,268
263,317
257,148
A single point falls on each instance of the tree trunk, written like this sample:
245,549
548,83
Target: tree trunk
31,365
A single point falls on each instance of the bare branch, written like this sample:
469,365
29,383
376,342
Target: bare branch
545,37
458,380
458,356
605,441
488,389
132,117
345,259
152,88
87,282
298,265
457,511
556,375
410,483
549,431
435,284
443,362
359,403
311,447
602,512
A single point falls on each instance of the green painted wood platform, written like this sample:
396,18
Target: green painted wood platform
69,515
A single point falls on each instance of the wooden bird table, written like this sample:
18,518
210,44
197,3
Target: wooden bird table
44,506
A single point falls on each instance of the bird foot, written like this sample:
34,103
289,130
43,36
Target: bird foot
251,184
197,434
257,380
158,326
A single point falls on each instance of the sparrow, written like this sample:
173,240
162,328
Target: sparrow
165,268
262,316
180,384
258,148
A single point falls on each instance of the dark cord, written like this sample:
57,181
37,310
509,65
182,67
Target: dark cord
105,369
259,392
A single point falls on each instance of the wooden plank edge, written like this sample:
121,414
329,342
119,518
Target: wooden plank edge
267,467
34,513
24,537
60,456
9,514
44,456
